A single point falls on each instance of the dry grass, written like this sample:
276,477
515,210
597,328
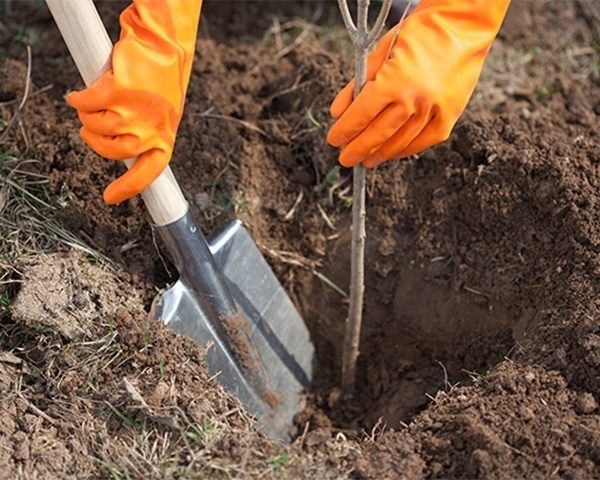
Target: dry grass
26,209
26,217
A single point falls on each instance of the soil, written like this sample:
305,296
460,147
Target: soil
481,339
238,331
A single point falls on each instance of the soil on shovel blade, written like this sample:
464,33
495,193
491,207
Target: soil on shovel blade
480,348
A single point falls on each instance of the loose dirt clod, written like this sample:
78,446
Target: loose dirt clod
238,332
60,293
586,404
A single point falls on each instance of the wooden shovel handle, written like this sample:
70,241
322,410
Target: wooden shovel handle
91,48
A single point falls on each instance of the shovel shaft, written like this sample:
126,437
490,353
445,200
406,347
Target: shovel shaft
196,265
91,48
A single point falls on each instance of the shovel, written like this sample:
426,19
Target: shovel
227,297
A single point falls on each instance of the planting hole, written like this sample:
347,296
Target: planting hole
421,334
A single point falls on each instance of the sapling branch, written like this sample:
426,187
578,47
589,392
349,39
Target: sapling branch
347,17
362,39
379,23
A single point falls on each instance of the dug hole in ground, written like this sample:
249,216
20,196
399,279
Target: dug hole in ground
480,350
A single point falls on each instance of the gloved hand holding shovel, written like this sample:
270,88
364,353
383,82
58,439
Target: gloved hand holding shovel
134,108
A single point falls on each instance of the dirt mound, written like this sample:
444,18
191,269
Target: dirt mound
481,333
491,432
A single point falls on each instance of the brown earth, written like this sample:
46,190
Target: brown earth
481,341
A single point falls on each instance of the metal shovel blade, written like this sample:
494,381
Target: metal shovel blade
276,332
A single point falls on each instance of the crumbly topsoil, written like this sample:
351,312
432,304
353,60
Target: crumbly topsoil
481,340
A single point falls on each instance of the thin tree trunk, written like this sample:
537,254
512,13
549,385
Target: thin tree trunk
362,39
357,266
357,285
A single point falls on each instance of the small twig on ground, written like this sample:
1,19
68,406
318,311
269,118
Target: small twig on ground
325,217
140,404
15,117
474,291
276,30
290,258
248,125
330,283
297,260
38,412
297,85
304,432
284,51
376,431
31,95
290,214
215,183
447,385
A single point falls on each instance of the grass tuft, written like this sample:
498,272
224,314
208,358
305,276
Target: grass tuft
278,461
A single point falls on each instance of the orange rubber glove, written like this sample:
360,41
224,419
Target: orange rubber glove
134,109
419,81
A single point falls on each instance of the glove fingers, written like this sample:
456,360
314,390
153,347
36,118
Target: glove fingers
94,98
118,147
431,135
375,135
395,146
342,100
103,122
359,114
143,172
